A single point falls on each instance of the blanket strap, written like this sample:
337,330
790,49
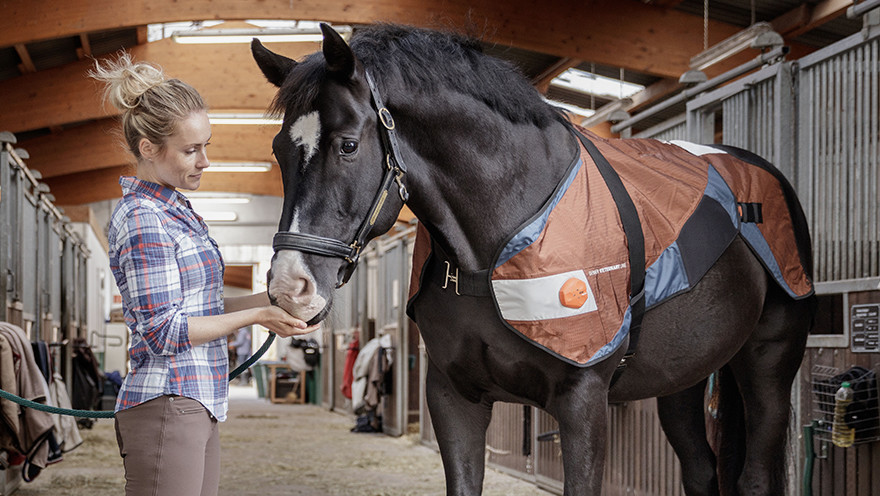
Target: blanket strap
635,239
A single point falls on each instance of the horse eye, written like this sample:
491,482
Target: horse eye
349,147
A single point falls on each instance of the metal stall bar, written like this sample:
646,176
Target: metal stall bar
838,155
765,58
670,129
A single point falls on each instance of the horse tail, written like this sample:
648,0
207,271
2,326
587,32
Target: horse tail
728,436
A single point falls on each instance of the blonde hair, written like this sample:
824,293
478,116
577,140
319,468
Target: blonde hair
151,104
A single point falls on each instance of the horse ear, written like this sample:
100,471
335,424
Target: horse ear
275,67
337,53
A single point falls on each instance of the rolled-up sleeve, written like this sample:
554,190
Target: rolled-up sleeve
148,259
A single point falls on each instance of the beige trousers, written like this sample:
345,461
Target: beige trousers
169,445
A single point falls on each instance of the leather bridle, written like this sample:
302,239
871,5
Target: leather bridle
394,171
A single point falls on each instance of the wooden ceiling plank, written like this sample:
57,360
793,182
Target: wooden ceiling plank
806,17
66,94
659,40
99,145
27,65
103,184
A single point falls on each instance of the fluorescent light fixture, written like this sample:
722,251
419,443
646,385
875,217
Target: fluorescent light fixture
219,216
594,84
242,118
759,35
231,166
265,35
571,108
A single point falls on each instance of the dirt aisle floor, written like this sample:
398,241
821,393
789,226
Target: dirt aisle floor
272,449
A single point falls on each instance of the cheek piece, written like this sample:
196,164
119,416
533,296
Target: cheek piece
394,172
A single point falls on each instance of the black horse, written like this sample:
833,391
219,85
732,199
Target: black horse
474,152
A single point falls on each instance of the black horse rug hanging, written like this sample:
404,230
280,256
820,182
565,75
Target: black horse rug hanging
565,280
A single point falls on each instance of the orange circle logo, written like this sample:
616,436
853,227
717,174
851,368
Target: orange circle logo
573,293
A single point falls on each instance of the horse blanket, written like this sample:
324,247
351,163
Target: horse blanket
562,280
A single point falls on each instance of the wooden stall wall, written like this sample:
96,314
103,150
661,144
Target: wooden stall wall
836,471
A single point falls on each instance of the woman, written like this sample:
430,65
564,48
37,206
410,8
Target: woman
170,275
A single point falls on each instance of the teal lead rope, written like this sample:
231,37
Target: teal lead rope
110,413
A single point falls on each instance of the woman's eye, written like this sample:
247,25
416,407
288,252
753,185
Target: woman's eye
349,147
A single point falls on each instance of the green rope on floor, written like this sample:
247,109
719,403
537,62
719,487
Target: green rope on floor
110,413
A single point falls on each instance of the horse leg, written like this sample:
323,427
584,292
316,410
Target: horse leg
460,426
582,413
764,370
683,418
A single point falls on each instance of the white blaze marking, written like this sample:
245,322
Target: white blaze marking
306,131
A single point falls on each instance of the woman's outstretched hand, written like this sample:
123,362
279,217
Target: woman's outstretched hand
282,323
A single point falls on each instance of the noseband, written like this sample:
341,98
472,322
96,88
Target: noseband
394,171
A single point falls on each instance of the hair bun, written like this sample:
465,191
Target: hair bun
125,80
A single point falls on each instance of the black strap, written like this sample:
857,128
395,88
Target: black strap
447,274
635,240
310,243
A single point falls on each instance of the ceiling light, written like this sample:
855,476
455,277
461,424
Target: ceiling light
219,216
243,118
265,35
231,166
759,35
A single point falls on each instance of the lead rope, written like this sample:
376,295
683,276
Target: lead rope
110,413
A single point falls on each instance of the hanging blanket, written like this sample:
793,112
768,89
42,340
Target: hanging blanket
562,280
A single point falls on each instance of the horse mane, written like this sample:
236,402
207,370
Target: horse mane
425,61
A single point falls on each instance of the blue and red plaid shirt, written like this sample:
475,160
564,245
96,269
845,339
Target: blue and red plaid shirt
167,268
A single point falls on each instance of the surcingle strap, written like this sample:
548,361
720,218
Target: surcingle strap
635,240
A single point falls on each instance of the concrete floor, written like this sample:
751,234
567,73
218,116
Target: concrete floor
274,449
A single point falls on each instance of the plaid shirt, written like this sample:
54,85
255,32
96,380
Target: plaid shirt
167,268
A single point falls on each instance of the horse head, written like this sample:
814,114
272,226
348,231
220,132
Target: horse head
343,183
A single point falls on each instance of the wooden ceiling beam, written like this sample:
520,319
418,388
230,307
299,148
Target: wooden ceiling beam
656,40
99,145
85,49
806,16
103,184
225,75
27,65
543,80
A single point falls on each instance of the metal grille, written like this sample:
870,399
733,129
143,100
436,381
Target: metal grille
839,154
861,415
748,120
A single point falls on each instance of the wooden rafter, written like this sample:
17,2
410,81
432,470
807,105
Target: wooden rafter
103,184
85,49
226,76
806,16
63,153
27,65
543,80
658,40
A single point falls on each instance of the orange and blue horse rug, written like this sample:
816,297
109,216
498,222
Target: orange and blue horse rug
562,280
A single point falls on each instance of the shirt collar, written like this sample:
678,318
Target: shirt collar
131,184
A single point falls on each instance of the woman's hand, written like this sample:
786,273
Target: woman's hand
282,323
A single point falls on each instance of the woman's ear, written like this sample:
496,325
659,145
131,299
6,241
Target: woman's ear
147,149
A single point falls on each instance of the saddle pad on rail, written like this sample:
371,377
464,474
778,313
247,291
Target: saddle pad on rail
562,279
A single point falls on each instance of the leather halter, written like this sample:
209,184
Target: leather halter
394,171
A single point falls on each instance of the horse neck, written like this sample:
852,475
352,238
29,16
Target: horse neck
475,177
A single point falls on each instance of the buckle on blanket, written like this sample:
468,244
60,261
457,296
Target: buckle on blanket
450,277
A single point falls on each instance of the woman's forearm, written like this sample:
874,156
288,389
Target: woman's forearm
236,303
208,328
